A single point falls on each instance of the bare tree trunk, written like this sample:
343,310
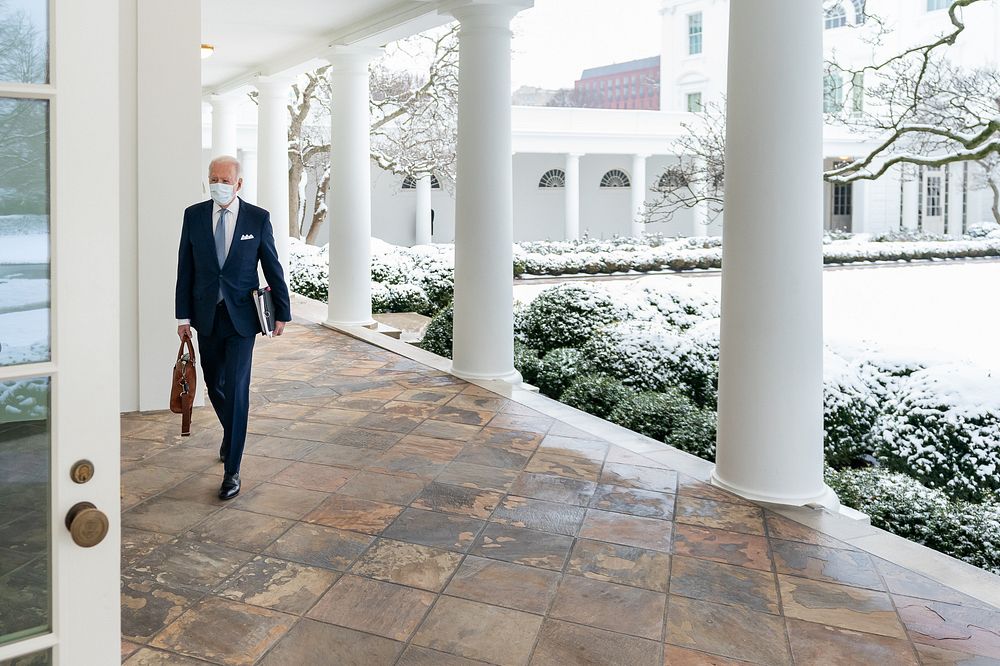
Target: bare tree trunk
319,208
294,176
996,199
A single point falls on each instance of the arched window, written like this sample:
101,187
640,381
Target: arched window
615,178
833,92
553,178
835,16
672,179
859,12
410,183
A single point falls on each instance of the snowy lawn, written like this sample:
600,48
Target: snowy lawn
933,312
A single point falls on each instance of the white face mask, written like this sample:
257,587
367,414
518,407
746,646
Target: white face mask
222,193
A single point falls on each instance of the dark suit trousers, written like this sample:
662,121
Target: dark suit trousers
226,358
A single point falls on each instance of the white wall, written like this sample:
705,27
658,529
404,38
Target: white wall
681,73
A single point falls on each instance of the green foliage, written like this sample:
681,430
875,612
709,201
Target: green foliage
669,417
567,315
595,394
527,362
558,370
439,334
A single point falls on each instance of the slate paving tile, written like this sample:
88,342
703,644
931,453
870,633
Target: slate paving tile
678,656
150,657
147,607
420,410
312,476
129,648
376,607
565,430
724,583
166,515
545,462
136,544
454,499
494,456
840,606
489,403
431,528
282,447
182,458
536,424
627,610
239,529
447,430
561,643
961,628
588,449
720,515
335,416
277,500
383,488
319,546
199,566
825,564
553,488
649,533
726,630
420,656
618,454
285,410
643,478
745,550
480,477
455,414
392,422
204,488
343,456
634,501
539,515
521,546
408,564
479,631
351,513
935,656
433,448
225,632
500,583
367,438
257,469
823,644
144,482
691,487
425,395
515,440
779,527
911,584
410,461
278,584
627,565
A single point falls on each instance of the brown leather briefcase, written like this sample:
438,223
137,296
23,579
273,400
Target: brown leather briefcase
183,385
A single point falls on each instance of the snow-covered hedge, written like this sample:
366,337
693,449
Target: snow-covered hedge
438,336
527,362
558,369
670,417
596,394
567,315
851,412
943,428
24,400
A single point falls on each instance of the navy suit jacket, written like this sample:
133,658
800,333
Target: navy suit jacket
199,275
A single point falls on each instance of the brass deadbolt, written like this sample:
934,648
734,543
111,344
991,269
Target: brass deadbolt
82,471
87,524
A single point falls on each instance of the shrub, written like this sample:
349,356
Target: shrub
985,230
558,370
695,433
651,357
681,308
400,298
527,362
439,334
944,429
850,414
908,236
595,394
652,414
567,315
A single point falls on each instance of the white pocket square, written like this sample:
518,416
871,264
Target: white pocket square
246,237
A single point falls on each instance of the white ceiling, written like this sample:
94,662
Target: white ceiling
270,36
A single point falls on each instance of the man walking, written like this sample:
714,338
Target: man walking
222,242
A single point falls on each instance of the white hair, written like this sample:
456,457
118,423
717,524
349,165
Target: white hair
227,159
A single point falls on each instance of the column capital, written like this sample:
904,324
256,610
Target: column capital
576,155
343,57
228,98
486,13
278,85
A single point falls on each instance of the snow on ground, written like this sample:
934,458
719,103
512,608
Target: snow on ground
24,337
932,312
17,295
24,249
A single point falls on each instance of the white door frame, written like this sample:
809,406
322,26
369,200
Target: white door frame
84,367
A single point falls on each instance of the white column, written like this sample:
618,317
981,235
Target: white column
224,115
484,229
572,196
910,201
423,211
770,442
349,198
272,156
638,194
860,208
956,187
248,160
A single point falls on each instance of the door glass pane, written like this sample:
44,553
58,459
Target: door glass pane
24,41
43,658
24,231
24,509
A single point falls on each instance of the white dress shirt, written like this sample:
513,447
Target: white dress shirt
234,211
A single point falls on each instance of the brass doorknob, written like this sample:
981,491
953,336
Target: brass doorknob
87,524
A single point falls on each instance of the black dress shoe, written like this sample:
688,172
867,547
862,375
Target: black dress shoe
230,486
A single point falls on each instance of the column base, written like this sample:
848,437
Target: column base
826,499
364,323
513,378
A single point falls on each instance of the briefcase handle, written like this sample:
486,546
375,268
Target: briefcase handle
186,340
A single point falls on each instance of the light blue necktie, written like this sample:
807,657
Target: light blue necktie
220,244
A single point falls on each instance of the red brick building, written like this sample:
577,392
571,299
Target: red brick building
626,85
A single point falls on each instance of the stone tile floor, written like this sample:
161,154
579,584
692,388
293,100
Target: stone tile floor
392,514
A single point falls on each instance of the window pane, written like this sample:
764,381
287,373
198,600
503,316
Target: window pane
43,658
24,41
24,508
24,231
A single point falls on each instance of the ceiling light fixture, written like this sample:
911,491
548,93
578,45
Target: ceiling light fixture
207,50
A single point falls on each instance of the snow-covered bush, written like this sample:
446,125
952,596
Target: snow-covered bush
567,315
970,532
695,433
308,270
526,362
649,356
943,428
439,334
985,230
681,307
595,394
558,370
850,413
24,400
400,298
